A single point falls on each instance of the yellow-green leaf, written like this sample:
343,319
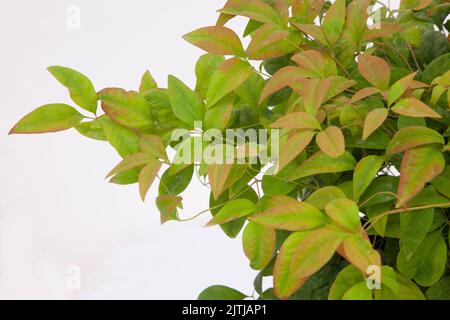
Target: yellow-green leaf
375,70
365,171
345,213
233,210
80,88
292,145
254,9
147,176
147,82
320,198
217,40
359,252
131,162
259,244
399,88
414,108
333,22
153,145
297,120
411,137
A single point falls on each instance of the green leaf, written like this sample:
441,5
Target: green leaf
221,293
147,82
206,65
414,227
92,129
321,163
359,252
346,279
415,108
259,244
290,215
314,251
219,116
411,137
175,183
285,284
365,171
375,70
359,291
126,108
80,88
440,291
123,139
442,182
48,118
276,186
428,263
229,76
399,88
131,162
233,210
216,40
331,141
186,104
419,166
434,44
334,21
297,120
345,213
436,68
320,198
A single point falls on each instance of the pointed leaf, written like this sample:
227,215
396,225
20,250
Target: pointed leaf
399,88
259,244
147,176
81,89
297,120
48,118
365,171
345,213
294,145
233,210
374,120
333,22
411,137
281,79
168,207
205,67
419,166
230,75
147,82
131,162
255,9
359,252
312,30
324,196
363,93
375,70
415,108
217,40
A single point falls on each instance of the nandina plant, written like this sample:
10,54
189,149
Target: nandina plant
355,205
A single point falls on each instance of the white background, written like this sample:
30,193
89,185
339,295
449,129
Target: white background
55,208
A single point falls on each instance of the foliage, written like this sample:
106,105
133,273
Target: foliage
364,169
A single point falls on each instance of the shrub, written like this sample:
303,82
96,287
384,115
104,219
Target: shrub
357,204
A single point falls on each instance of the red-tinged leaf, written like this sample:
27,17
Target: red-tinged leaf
147,176
314,251
415,4
229,76
356,21
312,30
399,88
334,21
313,92
297,120
281,79
345,213
321,163
233,210
331,141
315,64
270,42
325,195
291,216
411,137
307,10
217,40
295,143
48,118
130,162
365,171
218,175
359,252
374,120
419,166
147,82
168,207
154,146
338,84
284,283
259,244
375,70
254,9
127,108
414,108
364,93
381,30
